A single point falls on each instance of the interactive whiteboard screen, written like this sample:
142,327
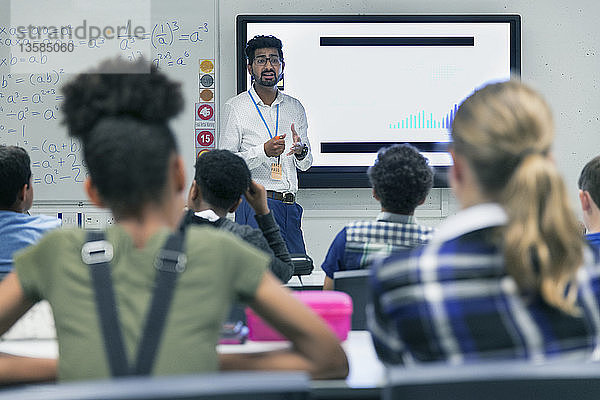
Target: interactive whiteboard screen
371,81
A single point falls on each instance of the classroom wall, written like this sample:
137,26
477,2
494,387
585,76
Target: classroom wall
560,58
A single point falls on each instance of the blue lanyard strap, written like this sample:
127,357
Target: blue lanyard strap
263,118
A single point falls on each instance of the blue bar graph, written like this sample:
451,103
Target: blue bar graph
419,120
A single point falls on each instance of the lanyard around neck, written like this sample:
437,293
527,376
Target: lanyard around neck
263,118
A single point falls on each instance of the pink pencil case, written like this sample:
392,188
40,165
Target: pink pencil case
335,308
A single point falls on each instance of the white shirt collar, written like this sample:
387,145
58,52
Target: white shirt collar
278,98
207,214
477,217
391,217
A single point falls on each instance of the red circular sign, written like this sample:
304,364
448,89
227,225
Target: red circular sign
205,112
205,138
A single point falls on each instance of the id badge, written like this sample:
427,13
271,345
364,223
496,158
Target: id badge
276,171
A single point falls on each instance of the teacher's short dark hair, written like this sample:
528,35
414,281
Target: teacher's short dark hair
263,42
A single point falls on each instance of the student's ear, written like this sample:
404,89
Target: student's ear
422,201
375,195
194,191
584,199
24,199
194,195
455,175
235,206
22,194
92,193
27,196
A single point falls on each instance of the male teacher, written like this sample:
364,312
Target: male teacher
267,128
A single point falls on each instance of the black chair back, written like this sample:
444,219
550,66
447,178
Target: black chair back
303,264
511,380
356,284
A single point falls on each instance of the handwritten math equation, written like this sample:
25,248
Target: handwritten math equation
30,102
170,43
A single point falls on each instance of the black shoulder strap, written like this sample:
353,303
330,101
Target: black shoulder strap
169,263
98,253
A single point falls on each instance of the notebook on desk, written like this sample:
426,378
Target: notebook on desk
37,323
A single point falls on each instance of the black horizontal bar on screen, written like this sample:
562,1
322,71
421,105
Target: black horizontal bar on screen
373,147
398,41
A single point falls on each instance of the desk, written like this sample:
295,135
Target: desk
366,378
45,348
367,374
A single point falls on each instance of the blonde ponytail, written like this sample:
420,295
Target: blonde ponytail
505,131
542,241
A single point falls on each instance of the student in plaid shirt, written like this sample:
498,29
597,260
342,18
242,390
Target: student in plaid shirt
509,276
401,180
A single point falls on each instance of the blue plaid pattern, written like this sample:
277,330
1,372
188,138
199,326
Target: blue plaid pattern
367,240
452,300
360,242
593,239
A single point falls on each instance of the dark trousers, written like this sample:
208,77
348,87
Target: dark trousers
287,216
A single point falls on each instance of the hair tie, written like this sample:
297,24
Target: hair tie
529,151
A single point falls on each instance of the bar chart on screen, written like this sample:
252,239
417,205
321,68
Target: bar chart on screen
425,120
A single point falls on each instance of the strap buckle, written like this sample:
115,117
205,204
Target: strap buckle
97,252
170,261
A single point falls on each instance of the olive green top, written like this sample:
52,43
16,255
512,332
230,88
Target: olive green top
220,269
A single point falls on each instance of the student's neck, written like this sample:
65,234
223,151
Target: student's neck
470,195
267,94
18,209
151,221
391,212
592,224
203,206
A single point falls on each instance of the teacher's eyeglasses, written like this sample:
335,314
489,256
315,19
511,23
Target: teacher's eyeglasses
262,60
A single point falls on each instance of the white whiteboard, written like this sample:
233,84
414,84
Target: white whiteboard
181,35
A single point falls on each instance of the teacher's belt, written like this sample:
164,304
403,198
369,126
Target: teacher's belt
285,197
